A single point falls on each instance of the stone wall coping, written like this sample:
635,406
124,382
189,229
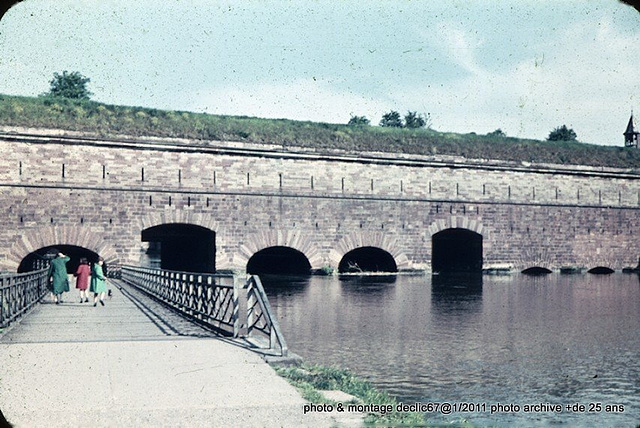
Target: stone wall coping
238,148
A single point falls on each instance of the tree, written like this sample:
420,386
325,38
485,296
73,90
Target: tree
497,133
391,120
358,121
414,120
69,85
562,133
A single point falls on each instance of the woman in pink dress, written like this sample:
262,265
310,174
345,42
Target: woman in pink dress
82,279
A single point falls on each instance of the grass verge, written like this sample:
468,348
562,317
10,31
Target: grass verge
103,120
309,379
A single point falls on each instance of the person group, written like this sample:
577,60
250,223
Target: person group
60,281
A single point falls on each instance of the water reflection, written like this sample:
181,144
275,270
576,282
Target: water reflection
456,293
468,338
462,283
285,285
366,288
368,279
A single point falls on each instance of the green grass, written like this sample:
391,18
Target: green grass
103,120
311,378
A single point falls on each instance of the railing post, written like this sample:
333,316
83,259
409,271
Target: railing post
1,302
239,307
273,339
251,304
275,334
25,286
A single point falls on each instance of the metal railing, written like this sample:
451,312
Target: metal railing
230,303
260,318
19,292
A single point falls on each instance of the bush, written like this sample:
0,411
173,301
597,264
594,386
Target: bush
562,133
69,85
414,120
497,133
358,121
391,120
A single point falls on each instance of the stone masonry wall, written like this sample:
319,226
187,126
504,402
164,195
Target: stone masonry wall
101,195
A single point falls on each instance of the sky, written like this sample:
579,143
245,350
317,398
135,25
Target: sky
524,66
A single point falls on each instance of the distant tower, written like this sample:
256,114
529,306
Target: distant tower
631,136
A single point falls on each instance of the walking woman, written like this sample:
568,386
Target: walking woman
58,275
82,279
98,282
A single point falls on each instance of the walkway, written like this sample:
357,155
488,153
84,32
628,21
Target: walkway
136,363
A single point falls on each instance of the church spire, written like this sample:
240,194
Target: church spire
631,135
630,129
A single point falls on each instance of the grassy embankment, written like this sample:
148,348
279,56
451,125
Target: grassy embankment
309,379
104,120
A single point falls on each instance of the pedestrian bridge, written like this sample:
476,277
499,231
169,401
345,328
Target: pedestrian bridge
167,349
226,305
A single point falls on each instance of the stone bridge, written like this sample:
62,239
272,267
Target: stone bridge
215,205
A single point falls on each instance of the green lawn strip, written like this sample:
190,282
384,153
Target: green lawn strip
311,378
109,121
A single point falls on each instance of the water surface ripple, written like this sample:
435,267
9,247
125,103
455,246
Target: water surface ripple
485,339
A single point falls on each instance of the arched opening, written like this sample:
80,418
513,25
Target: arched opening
536,270
182,247
279,261
456,250
40,258
367,259
601,270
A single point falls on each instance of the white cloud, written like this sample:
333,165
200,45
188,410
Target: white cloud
302,99
459,45
583,79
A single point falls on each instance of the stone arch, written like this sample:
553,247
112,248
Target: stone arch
177,216
278,260
376,239
473,257
536,270
189,220
534,255
591,251
457,222
601,270
367,259
278,238
35,239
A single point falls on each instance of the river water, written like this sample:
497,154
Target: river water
556,339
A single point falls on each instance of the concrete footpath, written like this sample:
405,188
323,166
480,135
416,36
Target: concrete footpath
136,363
